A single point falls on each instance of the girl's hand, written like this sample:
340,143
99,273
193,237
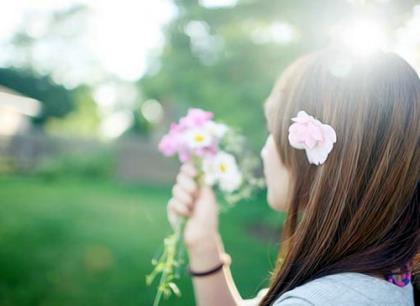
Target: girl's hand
197,203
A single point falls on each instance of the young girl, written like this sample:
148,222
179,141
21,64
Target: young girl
342,157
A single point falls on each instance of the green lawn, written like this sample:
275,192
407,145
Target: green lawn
88,242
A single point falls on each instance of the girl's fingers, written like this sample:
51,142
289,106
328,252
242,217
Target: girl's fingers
183,193
182,196
172,217
179,208
187,183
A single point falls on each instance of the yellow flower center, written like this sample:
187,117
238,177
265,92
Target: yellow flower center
222,167
198,138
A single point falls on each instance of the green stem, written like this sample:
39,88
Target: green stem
172,251
171,256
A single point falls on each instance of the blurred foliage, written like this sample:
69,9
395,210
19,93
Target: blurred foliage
56,34
220,59
92,165
57,101
40,75
83,120
139,127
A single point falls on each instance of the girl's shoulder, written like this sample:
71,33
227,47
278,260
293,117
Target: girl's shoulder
348,289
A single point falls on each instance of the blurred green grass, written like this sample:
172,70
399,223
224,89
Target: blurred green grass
90,242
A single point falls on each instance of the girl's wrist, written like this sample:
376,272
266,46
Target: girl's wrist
202,240
206,253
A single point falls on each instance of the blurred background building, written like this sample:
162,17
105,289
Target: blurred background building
16,112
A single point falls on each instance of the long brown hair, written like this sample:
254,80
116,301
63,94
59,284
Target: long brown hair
359,211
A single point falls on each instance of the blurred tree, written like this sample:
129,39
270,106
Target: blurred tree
140,126
51,42
46,56
57,101
83,120
225,59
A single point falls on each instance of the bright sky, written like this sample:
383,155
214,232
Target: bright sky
119,34
117,37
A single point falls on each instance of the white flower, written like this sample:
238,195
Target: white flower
232,182
209,171
197,138
222,169
218,130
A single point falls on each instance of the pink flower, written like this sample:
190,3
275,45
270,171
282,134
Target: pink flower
195,135
207,151
195,118
184,155
167,145
171,143
309,134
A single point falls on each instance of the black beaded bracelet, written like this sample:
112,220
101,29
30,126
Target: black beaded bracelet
205,273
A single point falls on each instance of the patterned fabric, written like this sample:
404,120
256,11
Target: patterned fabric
400,278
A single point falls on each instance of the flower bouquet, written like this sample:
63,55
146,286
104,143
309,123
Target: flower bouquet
219,155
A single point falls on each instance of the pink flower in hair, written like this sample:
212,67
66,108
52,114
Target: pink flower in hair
309,134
